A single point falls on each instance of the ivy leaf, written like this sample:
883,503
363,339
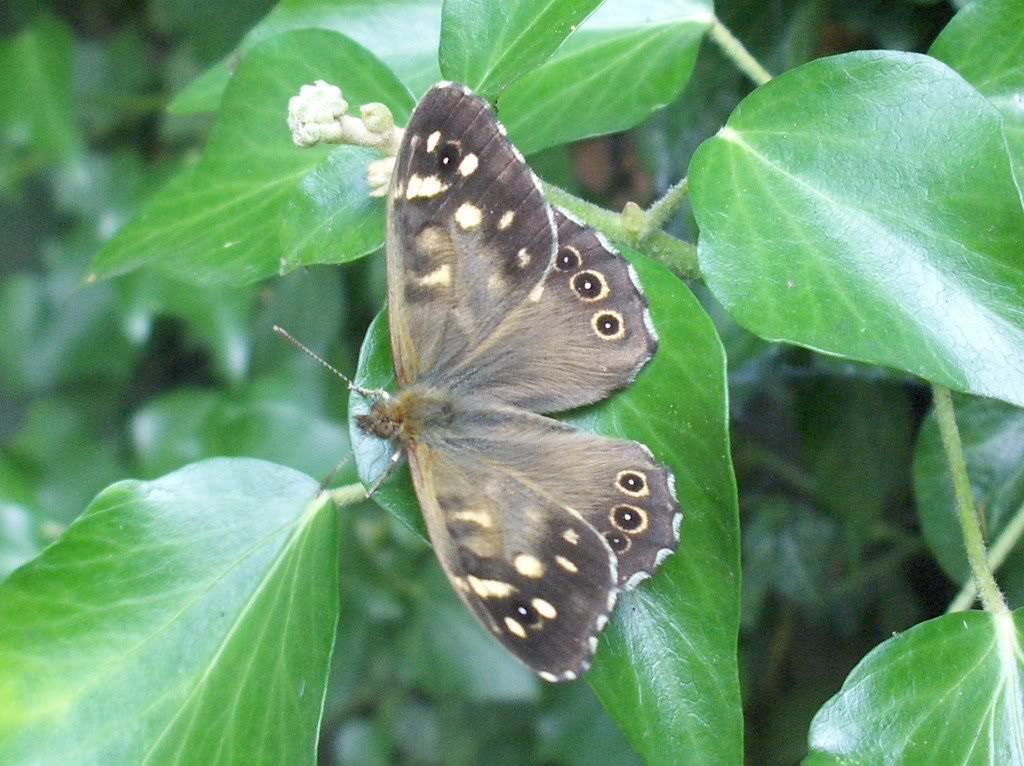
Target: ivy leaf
946,691
202,607
489,46
992,433
831,220
666,667
402,33
627,60
255,204
985,43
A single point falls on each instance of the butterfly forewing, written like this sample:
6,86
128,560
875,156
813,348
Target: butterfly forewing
469,232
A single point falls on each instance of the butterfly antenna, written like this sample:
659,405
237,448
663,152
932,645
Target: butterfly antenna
373,393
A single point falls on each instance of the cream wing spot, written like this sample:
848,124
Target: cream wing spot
551,678
441,276
515,627
571,536
506,220
468,216
480,518
523,258
567,565
545,609
426,187
528,566
432,140
489,588
468,165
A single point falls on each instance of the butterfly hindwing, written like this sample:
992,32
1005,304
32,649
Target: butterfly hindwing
537,576
469,235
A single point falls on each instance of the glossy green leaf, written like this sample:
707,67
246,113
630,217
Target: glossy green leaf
256,204
186,425
985,43
488,46
831,219
627,60
403,34
183,620
666,667
992,433
37,110
946,691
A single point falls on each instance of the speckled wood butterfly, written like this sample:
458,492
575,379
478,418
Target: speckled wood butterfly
501,308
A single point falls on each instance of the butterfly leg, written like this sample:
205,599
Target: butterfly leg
393,462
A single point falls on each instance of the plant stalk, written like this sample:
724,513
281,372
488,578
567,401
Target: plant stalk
350,494
677,256
970,528
739,55
997,554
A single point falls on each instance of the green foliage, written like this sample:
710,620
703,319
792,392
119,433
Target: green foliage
181,605
168,596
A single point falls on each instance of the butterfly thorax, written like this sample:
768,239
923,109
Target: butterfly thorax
407,414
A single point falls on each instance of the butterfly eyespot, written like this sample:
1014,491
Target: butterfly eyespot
448,158
524,613
629,518
632,483
608,325
590,286
618,543
568,258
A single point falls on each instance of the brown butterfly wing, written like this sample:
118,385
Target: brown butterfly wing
469,234
505,546
587,335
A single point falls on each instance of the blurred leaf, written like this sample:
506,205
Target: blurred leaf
635,55
19,538
220,318
256,204
993,438
37,111
666,669
985,43
66,450
210,28
54,335
857,438
946,691
181,602
575,731
488,47
815,230
186,425
788,550
113,81
403,34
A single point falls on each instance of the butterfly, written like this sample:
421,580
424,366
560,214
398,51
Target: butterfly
503,310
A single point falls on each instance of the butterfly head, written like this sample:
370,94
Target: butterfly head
407,414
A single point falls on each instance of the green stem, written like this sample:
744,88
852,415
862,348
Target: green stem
350,494
991,598
997,554
662,209
677,256
739,55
